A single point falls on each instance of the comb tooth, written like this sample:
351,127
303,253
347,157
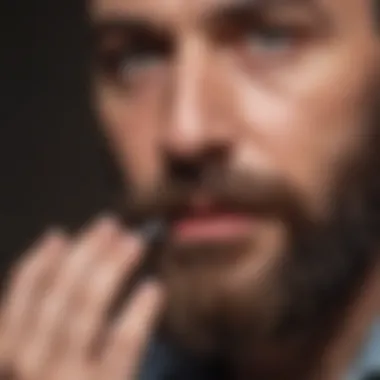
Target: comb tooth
153,231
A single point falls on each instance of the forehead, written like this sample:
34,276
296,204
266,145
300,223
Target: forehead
169,11
352,18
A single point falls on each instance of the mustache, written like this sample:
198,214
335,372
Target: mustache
229,191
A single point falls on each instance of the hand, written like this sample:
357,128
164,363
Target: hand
53,321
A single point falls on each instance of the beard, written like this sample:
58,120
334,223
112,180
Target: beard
296,295
329,262
317,273
299,290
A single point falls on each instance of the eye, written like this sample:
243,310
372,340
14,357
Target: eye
134,66
131,58
270,39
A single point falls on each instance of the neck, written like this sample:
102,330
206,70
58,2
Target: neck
325,352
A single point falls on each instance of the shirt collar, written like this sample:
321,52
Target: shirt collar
368,362
164,362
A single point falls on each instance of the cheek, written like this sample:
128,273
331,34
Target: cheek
131,129
307,129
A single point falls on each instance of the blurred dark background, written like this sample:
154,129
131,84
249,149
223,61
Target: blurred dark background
52,160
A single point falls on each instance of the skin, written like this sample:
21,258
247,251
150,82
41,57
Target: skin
293,104
287,112
56,307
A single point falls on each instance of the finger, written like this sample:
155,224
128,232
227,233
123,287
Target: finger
27,287
99,293
84,254
130,334
54,314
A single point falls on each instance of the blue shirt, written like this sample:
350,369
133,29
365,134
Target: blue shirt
367,365
164,362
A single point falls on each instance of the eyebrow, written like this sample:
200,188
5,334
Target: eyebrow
242,8
128,31
131,24
215,14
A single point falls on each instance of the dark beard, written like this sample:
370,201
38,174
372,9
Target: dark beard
323,271
328,264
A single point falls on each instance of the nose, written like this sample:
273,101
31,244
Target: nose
197,126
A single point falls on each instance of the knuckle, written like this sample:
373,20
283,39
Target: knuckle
101,288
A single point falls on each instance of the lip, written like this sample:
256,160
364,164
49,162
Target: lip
213,228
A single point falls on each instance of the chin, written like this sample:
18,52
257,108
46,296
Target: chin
210,308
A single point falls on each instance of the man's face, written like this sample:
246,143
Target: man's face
243,123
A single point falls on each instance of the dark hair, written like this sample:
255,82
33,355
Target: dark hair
376,13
